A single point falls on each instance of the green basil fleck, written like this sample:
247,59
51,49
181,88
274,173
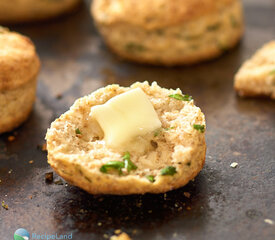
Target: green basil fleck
213,27
222,47
168,171
181,97
169,128
234,22
200,128
4,205
117,165
134,47
157,132
77,131
129,165
151,178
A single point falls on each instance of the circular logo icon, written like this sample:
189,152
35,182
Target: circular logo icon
21,234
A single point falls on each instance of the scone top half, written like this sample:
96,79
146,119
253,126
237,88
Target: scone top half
169,32
19,62
19,67
174,155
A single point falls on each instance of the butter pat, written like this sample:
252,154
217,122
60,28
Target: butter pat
125,117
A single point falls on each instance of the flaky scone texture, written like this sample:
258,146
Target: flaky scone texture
78,158
163,32
30,10
256,77
19,66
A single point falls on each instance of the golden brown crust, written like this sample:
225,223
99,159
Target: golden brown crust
155,13
211,53
16,105
19,66
32,10
18,60
171,43
78,160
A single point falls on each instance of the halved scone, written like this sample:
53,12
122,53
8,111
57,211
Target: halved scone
256,76
165,159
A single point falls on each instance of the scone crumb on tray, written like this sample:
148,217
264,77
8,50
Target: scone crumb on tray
269,221
122,236
234,164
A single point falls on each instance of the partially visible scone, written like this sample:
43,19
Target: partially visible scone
257,75
19,66
165,32
31,10
175,153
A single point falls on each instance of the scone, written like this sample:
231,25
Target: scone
165,32
19,66
31,10
257,75
164,159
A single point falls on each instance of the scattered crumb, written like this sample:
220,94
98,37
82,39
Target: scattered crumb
237,153
5,206
10,171
234,164
188,208
106,236
118,231
122,236
134,231
30,197
99,224
269,221
11,138
44,147
31,162
175,235
49,177
150,211
58,182
59,96
187,194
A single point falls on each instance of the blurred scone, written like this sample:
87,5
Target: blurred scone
174,153
30,10
257,75
165,32
19,66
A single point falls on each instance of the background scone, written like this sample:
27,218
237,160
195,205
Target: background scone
31,10
165,32
257,75
19,66
175,153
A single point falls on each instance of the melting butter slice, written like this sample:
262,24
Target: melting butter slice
125,117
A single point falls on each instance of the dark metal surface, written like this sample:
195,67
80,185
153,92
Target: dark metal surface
225,203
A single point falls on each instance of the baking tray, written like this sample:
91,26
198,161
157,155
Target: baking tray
224,203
